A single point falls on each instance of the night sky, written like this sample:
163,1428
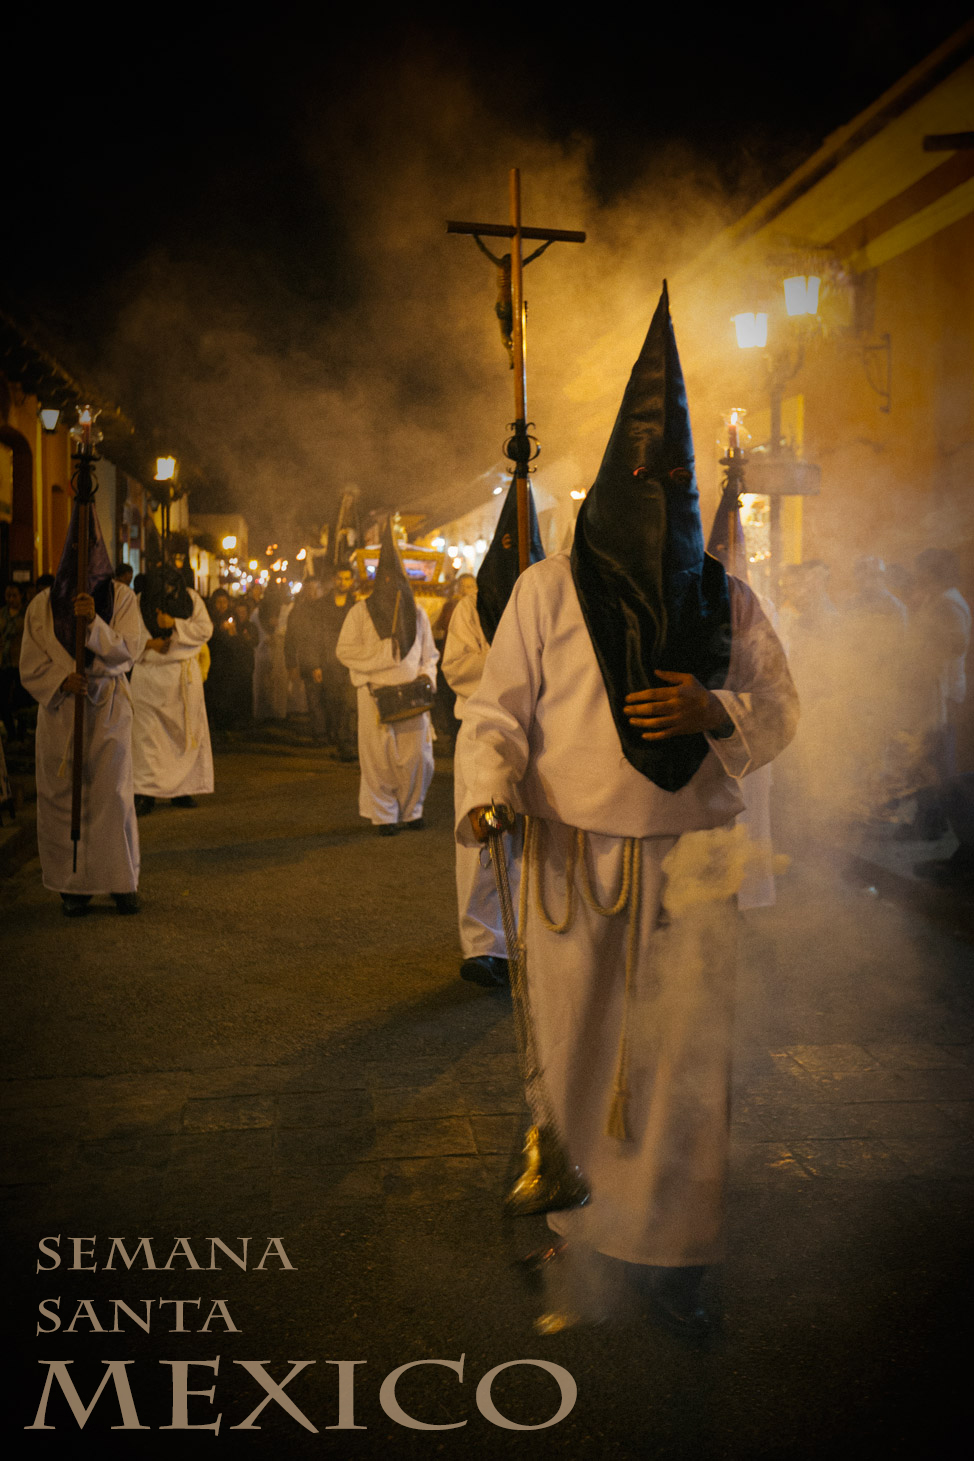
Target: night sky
204,214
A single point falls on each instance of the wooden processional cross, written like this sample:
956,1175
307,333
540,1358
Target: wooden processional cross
519,448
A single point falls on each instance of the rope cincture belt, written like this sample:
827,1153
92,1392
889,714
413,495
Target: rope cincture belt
629,887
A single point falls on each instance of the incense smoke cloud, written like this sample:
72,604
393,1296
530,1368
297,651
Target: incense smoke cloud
393,375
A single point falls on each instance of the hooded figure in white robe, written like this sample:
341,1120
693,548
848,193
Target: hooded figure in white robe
627,691
108,849
387,640
472,627
171,737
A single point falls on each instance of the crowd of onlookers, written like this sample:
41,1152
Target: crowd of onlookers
14,700
271,657
880,670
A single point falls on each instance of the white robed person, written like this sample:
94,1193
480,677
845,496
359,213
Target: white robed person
171,737
386,644
108,848
628,689
473,625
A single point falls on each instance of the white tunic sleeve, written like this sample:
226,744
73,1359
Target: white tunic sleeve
189,634
494,746
760,696
465,652
429,655
117,644
44,662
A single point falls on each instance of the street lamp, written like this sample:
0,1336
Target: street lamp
801,294
49,418
752,331
164,493
774,472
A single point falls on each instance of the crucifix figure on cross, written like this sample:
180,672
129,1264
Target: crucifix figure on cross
510,311
504,308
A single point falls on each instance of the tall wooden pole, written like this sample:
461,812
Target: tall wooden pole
519,352
519,449
84,493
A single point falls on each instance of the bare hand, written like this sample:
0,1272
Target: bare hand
164,621
84,607
682,707
477,820
161,646
75,684
317,676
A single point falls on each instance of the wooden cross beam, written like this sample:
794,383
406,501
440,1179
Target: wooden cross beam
516,232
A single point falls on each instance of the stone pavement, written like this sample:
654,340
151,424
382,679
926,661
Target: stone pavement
279,1046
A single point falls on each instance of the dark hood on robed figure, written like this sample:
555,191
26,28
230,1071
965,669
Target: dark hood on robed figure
651,597
499,570
726,541
391,605
172,598
65,586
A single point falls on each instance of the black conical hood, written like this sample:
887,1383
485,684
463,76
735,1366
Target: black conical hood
391,605
726,541
499,570
166,593
65,586
650,596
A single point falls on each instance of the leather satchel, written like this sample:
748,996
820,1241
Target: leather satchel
401,702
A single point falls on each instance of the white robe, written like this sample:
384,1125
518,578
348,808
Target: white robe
396,760
171,751
539,735
108,850
481,929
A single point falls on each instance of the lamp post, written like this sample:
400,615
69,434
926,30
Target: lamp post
778,474
165,491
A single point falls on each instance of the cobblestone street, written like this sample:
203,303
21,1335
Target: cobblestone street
278,1046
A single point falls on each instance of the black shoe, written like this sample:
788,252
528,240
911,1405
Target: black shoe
127,902
183,801
144,805
675,1302
416,826
75,905
388,829
486,970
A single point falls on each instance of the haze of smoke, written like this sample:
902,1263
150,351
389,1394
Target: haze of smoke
402,386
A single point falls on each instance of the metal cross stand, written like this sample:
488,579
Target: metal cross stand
549,1181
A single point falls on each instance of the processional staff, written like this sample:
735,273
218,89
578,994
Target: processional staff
521,449
85,487
548,1181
